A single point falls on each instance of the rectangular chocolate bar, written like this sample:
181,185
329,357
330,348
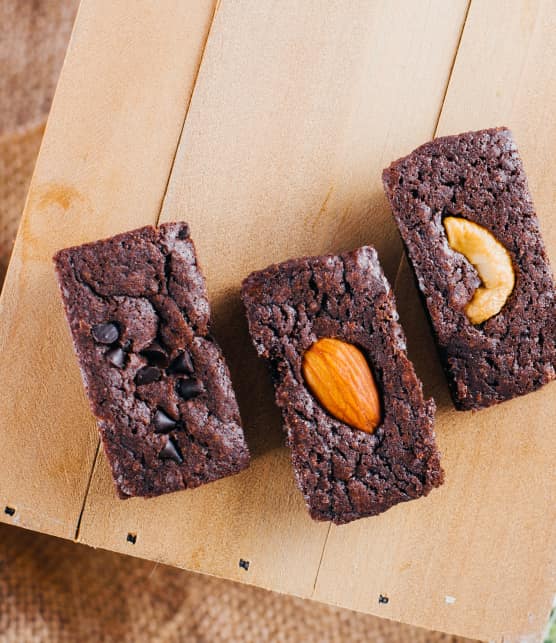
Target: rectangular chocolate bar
359,429
467,221
156,380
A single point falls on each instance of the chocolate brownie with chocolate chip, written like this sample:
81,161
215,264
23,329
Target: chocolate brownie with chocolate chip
156,380
340,311
476,182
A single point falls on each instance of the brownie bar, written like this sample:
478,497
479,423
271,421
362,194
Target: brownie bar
344,473
477,176
156,380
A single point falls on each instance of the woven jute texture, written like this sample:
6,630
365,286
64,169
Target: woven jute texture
51,590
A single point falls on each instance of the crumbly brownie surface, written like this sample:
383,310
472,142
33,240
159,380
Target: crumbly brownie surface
478,176
156,380
344,473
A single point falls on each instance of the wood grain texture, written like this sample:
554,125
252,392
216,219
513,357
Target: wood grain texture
295,112
487,538
103,168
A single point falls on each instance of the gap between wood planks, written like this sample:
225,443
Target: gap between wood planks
89,481
402,256
186,112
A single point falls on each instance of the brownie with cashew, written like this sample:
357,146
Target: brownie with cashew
156,379
466,218
360,431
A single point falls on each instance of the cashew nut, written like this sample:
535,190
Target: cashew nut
492,262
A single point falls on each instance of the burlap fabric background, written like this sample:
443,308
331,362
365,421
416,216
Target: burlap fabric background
52,590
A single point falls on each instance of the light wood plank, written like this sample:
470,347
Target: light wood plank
487,538
294,114
103,168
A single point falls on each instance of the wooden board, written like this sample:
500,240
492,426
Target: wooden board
260,179
294,113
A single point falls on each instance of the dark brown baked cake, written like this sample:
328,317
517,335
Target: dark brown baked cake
478,177
156,380
344,472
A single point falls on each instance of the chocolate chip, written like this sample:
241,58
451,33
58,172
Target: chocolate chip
116,357
244,564
170,452
147,374
156,354
162,422
188,389
383,599
105,333
181,364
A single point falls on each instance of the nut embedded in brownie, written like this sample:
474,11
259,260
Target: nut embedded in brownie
360,431
156,380
465,215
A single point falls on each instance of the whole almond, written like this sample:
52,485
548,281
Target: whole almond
339,376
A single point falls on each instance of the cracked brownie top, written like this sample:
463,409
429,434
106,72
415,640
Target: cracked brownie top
156,380
344,473
477,177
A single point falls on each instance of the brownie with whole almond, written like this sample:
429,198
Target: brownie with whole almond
469,227
156,380
360,431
